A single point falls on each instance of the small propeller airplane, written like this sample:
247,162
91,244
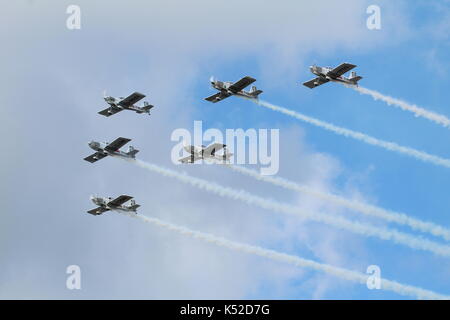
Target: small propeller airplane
119,104
206,153
326,74
110,149
117,204
228,89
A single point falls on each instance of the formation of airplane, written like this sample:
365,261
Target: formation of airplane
325,74
119,104
104,149
228,89
117,204
206,153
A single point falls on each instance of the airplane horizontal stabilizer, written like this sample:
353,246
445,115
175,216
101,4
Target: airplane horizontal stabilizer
134,207
132,152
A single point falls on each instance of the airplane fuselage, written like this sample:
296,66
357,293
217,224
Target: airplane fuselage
100,147
132,108
323,72
224,87
204,156
199,153
114,103
103,202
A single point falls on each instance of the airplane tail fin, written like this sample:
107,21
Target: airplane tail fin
133,206
146,108
225,157
354,78
132,151
255,92
147,105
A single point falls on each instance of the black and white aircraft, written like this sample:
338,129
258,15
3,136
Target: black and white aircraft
206,153
118,104
228,89
104,149
326,74
117,204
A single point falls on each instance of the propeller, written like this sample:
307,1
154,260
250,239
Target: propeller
107,98
313,66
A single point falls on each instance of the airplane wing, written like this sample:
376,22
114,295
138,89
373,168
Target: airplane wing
217,97
117,144
213,148
315,82
98,211
110,111
341,69
131,99
95,157
120,200
241,84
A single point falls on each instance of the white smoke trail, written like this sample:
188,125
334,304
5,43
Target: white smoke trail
421,155
294,260
418,111
338,222
388,215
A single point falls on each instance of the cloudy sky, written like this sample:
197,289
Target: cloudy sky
51,87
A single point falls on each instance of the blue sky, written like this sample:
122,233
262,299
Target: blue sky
52,88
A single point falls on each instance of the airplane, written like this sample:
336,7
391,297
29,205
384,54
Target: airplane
228,89
206,153
117,204
326,74
111,149
118,104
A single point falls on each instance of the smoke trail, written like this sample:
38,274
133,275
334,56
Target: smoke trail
418,111
338,222
391,216
426,157
294,260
